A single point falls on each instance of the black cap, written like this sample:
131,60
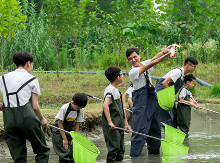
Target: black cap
191,59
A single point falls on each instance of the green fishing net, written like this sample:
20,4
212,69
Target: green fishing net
171,149
174,135
166,98
84,151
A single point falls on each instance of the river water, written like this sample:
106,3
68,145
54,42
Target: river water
203,143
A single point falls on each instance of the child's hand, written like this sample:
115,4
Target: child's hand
128,129
111,126
43,122
194,104
65,144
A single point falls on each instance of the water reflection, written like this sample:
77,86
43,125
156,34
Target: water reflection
203,143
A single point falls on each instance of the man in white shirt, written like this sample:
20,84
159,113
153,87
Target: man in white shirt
174,77
22,115
145,113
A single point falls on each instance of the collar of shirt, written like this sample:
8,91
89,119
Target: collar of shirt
21,70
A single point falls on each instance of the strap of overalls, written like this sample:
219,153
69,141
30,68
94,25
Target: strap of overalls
113,99
180,91
147,78
181,72
69,110
16,93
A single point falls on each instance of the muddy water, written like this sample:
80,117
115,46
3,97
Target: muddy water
203,143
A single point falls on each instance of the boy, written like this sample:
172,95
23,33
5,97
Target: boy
184,110
174,77
145,112
113,115
70,114
22,115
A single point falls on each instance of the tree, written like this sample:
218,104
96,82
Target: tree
11,19
78,12
59,23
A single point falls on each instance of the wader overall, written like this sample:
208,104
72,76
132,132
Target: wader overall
184,116
114,139
65,156
169,116
146,120
20,124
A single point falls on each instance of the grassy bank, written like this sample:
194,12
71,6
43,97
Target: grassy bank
57,91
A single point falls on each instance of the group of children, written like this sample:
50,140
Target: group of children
23,118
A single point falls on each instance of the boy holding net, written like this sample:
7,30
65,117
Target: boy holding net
70,114
113,116
184,110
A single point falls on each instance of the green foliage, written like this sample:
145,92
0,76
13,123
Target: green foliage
215,91
11,19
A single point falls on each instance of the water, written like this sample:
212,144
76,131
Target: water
203,143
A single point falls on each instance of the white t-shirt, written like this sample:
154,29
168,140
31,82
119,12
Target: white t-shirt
14,80
184,92
114,91
129,91
175,74
139,80
71,116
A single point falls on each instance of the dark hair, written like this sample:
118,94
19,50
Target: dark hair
112,73
80,99
21,58
189,78
191,60
131,50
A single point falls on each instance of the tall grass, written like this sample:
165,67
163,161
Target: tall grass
215,91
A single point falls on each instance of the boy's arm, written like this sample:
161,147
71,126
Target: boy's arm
152,63
162,53
188,102
130,102
124,101
65,141
76,126
107,113
126,126
35,106
194,101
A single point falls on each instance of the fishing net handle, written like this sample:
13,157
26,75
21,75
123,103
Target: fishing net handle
140,134
58,128
103,100
200,107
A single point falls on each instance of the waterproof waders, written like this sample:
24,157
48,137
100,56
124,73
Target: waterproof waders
114,139
184,116
21,123
169,116
146,119
65,156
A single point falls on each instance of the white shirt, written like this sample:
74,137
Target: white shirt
175,74
114,91
14,80
129,91
184,92
139,80
71,116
